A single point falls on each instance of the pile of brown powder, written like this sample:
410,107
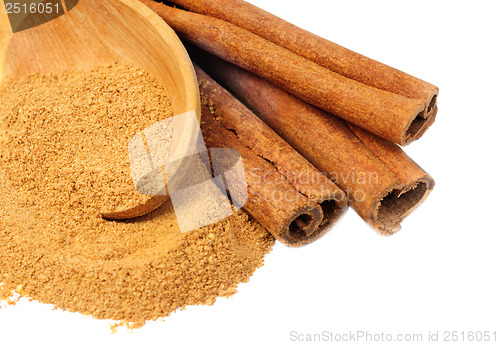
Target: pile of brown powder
64,156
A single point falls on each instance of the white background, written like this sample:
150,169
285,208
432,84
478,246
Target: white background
440,273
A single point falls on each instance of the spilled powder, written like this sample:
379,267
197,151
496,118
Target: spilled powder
63,158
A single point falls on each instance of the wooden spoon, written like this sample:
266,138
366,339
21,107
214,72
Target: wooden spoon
103,32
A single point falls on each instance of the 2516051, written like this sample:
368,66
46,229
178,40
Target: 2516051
32,8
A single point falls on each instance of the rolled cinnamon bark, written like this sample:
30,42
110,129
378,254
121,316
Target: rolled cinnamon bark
417,183
382,183
286,193
317,49
381,112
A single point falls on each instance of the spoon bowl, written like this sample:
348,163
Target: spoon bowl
102,32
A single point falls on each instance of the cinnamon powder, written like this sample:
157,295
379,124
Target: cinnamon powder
64,157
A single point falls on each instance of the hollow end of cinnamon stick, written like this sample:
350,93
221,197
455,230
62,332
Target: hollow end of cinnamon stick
303,227
333,208
431,106
429,120
418,124
398,203
311,223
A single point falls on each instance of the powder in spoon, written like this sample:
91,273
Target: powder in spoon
64,156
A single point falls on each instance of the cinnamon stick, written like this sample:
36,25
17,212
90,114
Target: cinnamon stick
286,194
317,49
382,183
381,112
417,183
